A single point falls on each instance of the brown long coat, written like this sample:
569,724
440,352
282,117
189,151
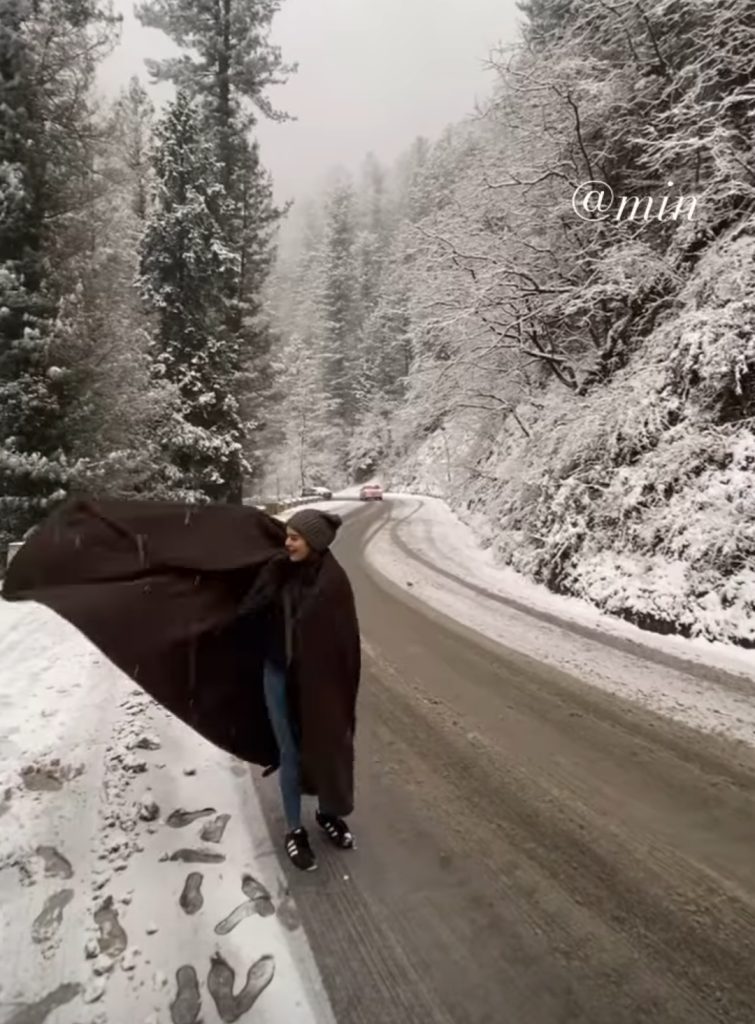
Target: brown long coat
156,586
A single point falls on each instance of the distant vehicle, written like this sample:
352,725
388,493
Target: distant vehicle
371,492
317,492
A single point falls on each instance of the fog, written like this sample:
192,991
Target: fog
373,74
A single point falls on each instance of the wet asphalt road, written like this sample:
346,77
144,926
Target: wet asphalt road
531,850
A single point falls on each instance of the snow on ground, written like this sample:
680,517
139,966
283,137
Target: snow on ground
136,873
429,529
137,877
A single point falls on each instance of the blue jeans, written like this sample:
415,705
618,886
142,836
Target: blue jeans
274,681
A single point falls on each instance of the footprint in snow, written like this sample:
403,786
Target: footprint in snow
220,983
48,921
287,912
258,894
182,818
49,777
40,780
191,899
37,1013
194,856
186,1006
257,902
112,938
214,830
56,865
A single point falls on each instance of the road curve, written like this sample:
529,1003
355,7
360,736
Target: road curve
531,850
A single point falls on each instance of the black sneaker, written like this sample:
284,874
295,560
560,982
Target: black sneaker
299,850
336,830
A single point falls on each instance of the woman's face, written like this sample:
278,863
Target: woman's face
297,547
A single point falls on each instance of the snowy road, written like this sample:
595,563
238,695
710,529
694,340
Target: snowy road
543,837
433,556
531,848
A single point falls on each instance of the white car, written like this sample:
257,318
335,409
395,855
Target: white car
317,492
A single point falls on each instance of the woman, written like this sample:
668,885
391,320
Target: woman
312,717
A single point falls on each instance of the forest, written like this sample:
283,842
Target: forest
576,384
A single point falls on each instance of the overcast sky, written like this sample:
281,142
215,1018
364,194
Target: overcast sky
372,75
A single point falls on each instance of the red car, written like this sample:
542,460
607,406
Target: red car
371,492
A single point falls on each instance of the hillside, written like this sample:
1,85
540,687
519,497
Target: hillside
636,496
574,374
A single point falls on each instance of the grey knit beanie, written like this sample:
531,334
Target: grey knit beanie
317,528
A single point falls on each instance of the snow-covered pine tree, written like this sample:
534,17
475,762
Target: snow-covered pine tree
227,66
309,448
369,252
415,199
306,441
48,53
375,198
252,229
403,175
340,302
131,135
122,424
371,243
387,334
228,58
187,270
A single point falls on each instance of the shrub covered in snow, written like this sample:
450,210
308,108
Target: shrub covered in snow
638,496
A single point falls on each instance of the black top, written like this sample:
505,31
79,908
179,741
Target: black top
275,599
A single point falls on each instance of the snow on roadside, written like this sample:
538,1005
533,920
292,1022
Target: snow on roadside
134,860
428,527
443,537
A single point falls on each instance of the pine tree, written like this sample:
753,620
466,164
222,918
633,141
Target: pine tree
131,130
228,65
413,201
340,303
186,270
310,449
371,242
228,57
252,227
121,426
28,407
388,338
374,197
48,53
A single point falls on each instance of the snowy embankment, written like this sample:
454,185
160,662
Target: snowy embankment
137,878
716,695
